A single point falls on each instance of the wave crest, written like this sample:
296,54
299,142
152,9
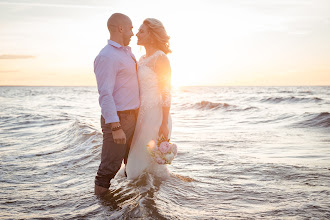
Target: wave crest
321,120
291,99
210,105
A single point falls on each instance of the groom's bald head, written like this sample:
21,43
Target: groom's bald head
120,28
117,20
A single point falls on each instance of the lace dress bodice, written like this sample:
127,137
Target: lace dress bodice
155,88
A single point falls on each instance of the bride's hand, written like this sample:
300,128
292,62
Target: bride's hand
163,130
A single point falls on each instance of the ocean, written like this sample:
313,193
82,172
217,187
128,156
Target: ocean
244,153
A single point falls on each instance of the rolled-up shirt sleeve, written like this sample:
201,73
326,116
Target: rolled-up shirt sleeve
105,71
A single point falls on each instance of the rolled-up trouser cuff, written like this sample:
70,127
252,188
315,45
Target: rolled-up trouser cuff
104,183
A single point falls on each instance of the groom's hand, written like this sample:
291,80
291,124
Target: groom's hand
119,136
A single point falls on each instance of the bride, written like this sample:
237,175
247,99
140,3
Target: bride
154,75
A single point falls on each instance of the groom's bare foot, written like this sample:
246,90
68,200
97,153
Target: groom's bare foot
99,190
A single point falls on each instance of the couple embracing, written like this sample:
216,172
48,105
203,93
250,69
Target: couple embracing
135,99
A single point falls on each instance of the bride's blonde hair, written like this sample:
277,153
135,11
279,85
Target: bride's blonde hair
158,34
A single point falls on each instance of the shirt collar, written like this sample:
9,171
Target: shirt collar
115,44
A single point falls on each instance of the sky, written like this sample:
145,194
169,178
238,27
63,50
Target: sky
214,42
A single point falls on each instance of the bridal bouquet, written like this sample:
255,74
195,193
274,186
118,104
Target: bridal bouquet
163,152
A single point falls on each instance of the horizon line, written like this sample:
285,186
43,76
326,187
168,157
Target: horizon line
173,86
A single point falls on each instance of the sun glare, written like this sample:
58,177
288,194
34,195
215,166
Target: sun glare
213,43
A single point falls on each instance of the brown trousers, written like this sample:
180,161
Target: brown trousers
113,154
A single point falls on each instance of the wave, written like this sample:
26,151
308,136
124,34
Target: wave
210,105
306,92
76,133
321,120
291,99
64,140
207,105
286,92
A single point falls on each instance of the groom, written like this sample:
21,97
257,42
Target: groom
115,70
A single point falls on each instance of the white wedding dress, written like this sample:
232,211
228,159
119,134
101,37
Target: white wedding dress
154,95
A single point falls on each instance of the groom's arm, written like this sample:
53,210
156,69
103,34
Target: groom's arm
105,72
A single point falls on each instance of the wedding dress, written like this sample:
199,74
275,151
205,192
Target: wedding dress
154,95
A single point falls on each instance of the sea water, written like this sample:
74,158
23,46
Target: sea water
244,153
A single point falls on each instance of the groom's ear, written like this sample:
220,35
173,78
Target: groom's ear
120,28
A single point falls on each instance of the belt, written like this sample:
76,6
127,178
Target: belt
126,112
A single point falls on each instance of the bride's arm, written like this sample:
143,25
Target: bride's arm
163,70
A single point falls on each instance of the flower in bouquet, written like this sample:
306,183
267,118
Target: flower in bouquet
160,160
169,157
164,147
163,152
158,154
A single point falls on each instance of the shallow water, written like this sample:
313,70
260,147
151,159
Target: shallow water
244,153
